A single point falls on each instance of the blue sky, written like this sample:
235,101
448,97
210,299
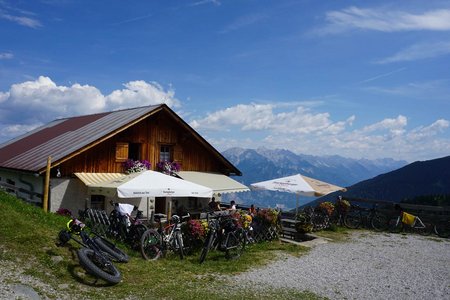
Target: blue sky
361,79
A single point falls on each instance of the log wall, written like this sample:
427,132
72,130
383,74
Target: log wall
151,133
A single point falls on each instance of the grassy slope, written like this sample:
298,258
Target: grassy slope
28,235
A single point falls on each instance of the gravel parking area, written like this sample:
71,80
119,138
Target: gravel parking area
369,266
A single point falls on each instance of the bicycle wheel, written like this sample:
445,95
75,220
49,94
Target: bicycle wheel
235,244
109,248
207,246
425,231
178,240
442,229
150,245
395,225
379,222
352,220
98,266
135,234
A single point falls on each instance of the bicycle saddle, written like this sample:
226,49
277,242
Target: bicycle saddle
159,216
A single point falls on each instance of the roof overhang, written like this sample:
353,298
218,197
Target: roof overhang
219,183
98,178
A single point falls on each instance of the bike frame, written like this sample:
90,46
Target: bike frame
87,242
414,225
167,232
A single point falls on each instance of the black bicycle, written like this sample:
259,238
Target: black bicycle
96,254
442,227
123,226
156,242
224,235
367,217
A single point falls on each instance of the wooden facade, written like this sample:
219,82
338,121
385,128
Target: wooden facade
143,141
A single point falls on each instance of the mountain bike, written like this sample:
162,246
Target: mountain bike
156,242
406,221
123,227
442,228
316,218
367,217
224,235
96,254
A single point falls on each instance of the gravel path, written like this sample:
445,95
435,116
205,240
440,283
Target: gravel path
369,266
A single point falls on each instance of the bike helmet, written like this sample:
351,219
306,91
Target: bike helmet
75,226
175,219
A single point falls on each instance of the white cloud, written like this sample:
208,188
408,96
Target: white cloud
432,90
244,21
13,130
140,93
294,126
429,131
42,100
259,117
24,21
395,126
386,20
305,131
202,2
6,55
419,51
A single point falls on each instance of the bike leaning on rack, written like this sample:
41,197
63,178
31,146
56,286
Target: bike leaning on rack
408,221
96,254
442,227
156,242
224,235
368,217
123,227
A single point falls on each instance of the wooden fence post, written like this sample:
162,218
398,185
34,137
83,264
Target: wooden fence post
47,184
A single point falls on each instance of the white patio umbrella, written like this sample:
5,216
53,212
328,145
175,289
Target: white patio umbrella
297,184
150,184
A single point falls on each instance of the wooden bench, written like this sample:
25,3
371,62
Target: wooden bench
288,228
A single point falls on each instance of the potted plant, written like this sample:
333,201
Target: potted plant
168,167
133,166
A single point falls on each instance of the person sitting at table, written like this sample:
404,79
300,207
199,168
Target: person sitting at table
252,210
232,205
213,205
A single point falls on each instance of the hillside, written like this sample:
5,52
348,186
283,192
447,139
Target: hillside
418,179
264,164
33,267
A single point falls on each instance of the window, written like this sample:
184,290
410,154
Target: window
98,202
165,153
134,151
126,151
13,183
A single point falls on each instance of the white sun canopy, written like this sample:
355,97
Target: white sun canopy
298,184
291,184
150,184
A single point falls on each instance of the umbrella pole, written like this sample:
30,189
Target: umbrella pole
296,206
148,209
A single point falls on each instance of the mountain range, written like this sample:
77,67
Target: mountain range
264,164
424,182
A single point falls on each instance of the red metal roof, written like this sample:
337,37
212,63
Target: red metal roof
62,137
